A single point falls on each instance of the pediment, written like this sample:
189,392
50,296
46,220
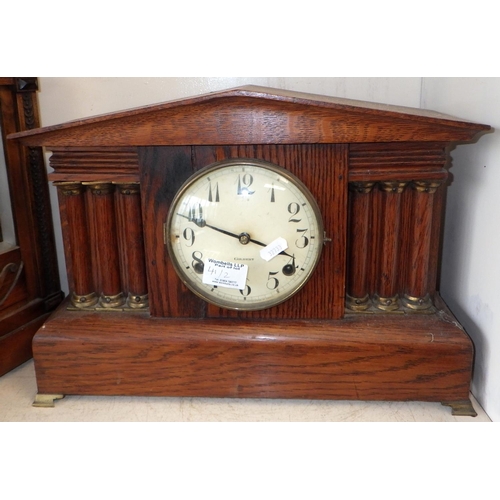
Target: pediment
254,115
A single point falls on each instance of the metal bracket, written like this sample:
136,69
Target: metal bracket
46,400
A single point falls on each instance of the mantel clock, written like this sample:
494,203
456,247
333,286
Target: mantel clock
254,242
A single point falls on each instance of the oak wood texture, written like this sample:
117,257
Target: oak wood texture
420,251
103,232
307,347
255,115
75,232
359,232
401,238
164,169
131,240
375,357
25,303
94,164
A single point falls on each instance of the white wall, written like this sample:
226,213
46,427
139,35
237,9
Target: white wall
63,99
471,268
470,279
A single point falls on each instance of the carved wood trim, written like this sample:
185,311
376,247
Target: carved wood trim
397,162
91,164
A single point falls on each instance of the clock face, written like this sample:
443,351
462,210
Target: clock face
244,234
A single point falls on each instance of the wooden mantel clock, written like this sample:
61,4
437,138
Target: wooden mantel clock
254,243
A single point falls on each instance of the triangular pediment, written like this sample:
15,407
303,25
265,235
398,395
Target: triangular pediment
254,115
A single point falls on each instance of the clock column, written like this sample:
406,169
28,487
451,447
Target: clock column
132,251
417,296
360,200
387,296
77,243
103,224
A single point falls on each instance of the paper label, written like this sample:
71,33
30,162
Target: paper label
225,274
273,249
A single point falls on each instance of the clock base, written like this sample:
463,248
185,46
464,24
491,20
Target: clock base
361,357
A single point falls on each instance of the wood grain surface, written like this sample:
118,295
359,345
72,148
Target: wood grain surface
377,357
255,115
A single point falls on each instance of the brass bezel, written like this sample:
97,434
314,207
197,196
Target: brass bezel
236,162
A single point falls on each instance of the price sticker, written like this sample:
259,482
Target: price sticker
273,249
225,274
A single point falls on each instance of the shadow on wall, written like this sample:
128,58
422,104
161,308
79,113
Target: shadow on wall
456,262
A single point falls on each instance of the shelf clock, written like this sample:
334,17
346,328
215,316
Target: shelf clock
256,243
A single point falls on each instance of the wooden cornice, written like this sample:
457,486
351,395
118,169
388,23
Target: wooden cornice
260,115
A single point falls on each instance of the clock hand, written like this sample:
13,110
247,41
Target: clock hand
243,238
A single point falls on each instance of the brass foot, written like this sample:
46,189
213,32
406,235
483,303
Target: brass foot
461,408
46,400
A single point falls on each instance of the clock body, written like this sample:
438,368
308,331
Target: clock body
325,216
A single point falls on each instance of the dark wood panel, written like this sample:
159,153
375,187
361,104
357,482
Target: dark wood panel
38,282
162,171
16,346
12,283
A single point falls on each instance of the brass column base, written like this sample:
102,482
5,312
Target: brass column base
357,303
417,303
84,301
111,301
386,304
135,301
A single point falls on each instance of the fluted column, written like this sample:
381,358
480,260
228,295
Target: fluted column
359,227
75,228
105,242
387,297
417,294
130,220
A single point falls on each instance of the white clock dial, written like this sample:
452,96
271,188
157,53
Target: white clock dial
244,234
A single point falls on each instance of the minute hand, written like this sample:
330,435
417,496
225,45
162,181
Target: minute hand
203,223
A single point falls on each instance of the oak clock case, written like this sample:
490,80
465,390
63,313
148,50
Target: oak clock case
151,198
244,234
